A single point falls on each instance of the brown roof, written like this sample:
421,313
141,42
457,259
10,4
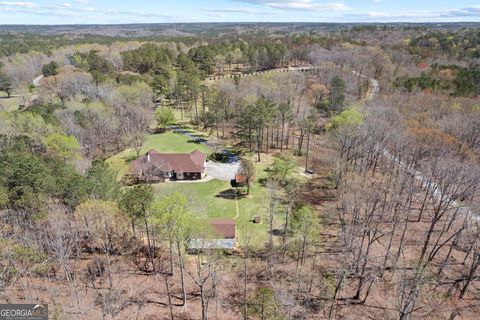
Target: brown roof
224,227
178,162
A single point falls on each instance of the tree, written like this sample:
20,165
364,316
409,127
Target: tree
285,111
5,83
308,127
230,58
188,83
283,168
136,202
60,243
246,126
63,146
164,117
337,94
132,108
161,86
171,218
102,181
247,171
264,305
252,121
50,69
3,197
264,114
66,85
305,224
104,225
348,117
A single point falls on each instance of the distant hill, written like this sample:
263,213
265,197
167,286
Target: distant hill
189,29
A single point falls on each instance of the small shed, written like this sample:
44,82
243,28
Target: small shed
224,239
240,180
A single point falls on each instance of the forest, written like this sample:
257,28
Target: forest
346,157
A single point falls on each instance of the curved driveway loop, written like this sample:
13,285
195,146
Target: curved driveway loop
222,171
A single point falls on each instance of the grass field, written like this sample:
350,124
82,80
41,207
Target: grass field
207,200
168,142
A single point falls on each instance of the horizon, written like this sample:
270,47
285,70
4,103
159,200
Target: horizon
247,23
90,12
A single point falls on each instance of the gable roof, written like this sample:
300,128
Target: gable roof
224,227
178,162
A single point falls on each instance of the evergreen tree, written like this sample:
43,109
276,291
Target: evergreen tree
5,83
50,69
337,95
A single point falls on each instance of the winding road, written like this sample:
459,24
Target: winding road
226,171
427,184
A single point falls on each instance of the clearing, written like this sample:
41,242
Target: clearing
211,199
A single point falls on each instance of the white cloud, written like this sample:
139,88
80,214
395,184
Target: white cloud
87,9
249,11
24,5
137,14
419,15
301,5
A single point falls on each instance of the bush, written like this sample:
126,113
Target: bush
50,69
219,157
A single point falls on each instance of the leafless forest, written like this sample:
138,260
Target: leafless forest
358,146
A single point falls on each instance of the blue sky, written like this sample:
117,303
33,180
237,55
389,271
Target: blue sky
155,11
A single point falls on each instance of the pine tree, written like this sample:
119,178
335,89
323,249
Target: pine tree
337,95
5,83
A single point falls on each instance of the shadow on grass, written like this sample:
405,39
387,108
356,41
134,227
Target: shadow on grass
197,141
231,194
263,181
183,128
281,233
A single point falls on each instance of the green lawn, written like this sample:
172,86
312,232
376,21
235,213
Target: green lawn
168,142
206,202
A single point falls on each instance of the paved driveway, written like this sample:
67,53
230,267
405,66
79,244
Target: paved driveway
222,171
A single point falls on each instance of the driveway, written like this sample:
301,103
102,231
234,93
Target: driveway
222,171
216,170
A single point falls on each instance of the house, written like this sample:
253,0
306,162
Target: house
224,237
156,167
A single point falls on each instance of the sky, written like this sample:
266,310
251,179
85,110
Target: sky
161,11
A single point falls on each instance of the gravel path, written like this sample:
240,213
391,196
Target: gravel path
222,171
